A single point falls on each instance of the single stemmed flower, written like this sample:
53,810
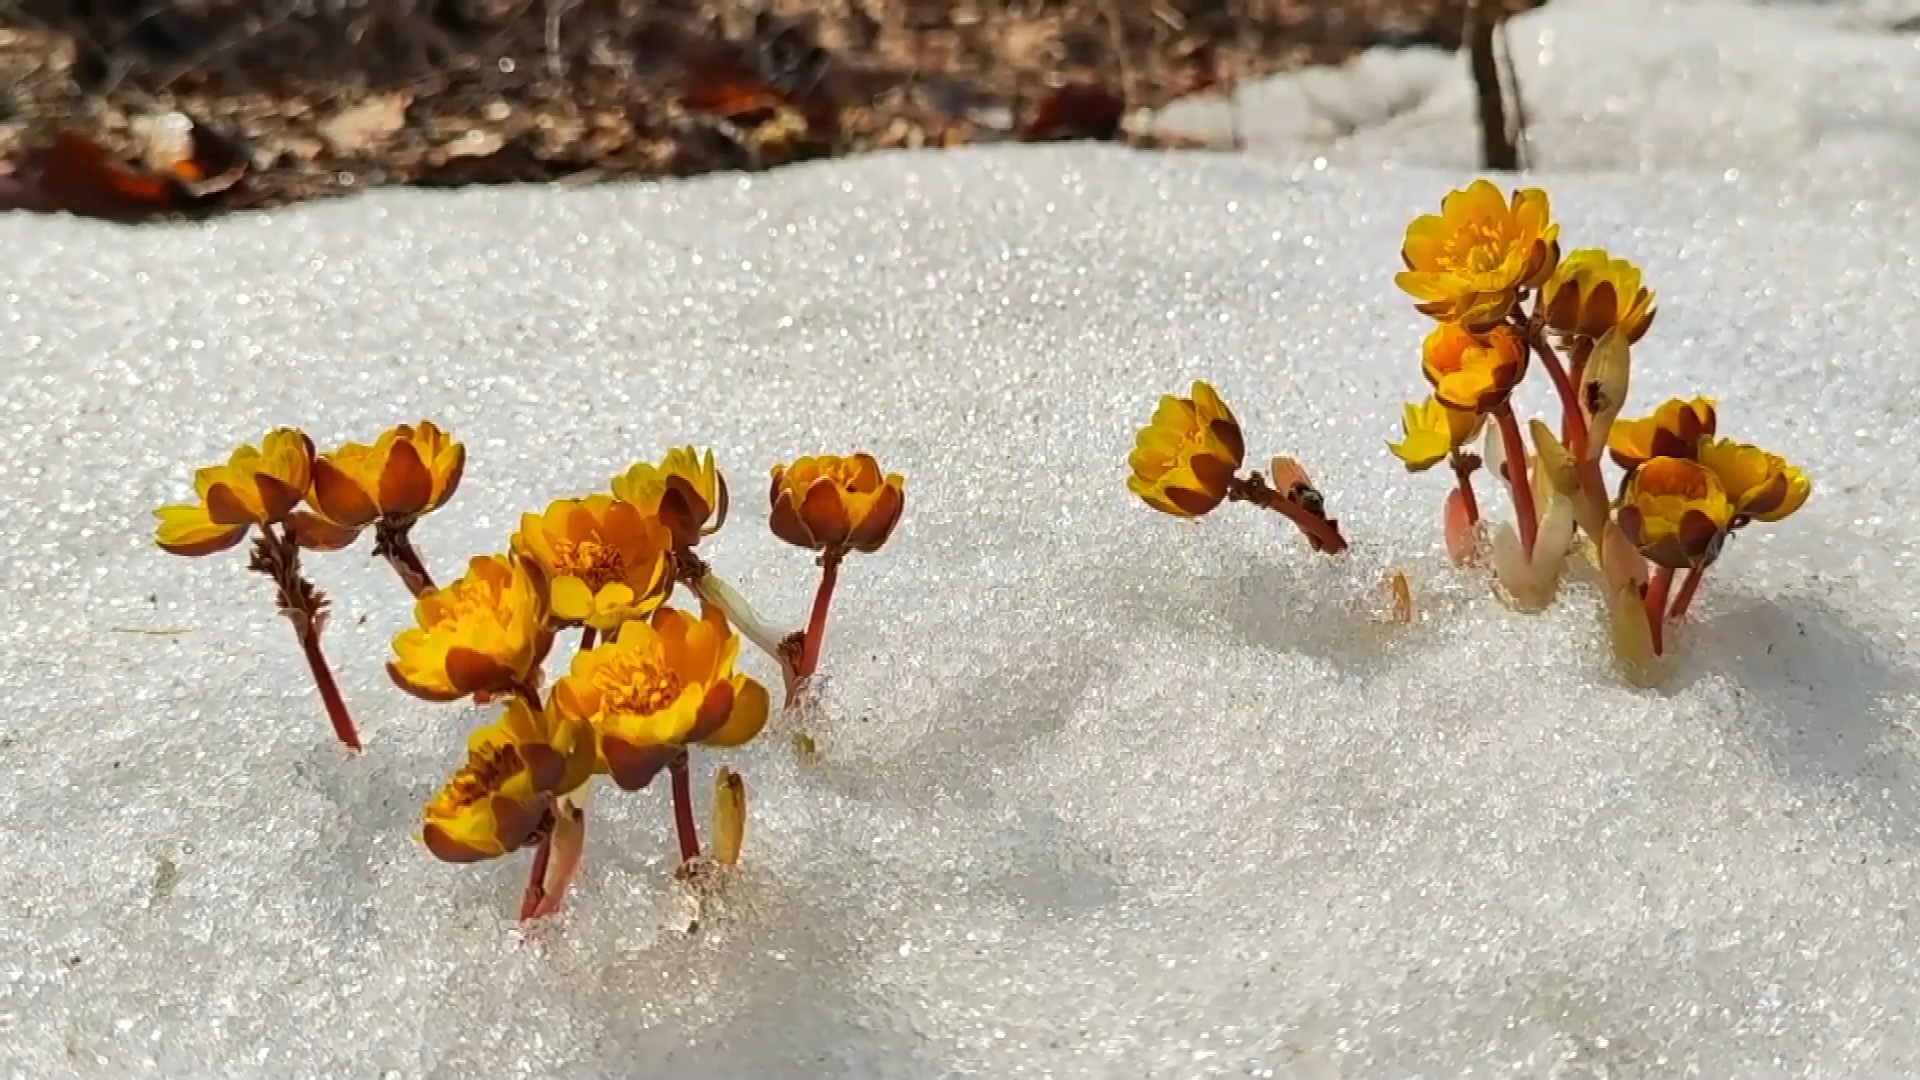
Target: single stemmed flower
1436,432
259,489
1187,461
834,506
1470,263
607,561
487,633
656,689
409,471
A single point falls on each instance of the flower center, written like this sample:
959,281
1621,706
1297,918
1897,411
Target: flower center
636,686
469,602
487,770
1479,248
596,563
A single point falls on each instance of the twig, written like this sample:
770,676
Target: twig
1497,150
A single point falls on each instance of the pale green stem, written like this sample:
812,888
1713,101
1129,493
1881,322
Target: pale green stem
717,592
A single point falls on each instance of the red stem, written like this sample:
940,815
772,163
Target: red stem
1324,534
586,638
343,728
683,822
536,892
817,622
1519,478
1657,591
1687,590
392,540
1464,477
1573,423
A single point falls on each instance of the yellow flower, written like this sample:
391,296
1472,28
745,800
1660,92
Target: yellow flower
498,800
1674,430
607,560
658,687
410,470
486,633
1591,292
1469,263
254,487
1185,459
832,503
1473,372
684,492
1676,512
1434,431
1760,485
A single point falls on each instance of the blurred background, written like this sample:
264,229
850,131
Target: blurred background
164,105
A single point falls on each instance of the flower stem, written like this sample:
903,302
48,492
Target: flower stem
343,728
1463,476
536,893
586,638
391,541
817,621
1688,589
711,588
1658,589
683,823
1519,478
558,858
1573,423
1324,533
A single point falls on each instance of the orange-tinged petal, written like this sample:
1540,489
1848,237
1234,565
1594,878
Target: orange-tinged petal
340,497
316,533
877,524
406,487
185,529
746,717
714,709
633,765
825,513
227,506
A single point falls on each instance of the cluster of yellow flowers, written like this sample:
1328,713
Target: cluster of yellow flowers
1488,269
649,681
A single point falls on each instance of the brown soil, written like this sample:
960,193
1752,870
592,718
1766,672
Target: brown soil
325,96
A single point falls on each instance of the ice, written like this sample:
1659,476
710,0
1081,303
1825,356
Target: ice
1098,793
1816,90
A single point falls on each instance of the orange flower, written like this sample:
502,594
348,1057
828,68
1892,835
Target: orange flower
1676,512
607,560
658,687
486,633
1473,372
685,491
1761,486
498,799
1185,459
1591,293
836,503
1469,263
1674,430
254,487
409,471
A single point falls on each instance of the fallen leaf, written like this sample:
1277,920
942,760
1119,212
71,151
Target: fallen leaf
365,127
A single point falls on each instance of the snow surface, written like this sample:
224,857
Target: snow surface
1100,793
1823,91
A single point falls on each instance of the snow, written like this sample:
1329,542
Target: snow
1825,91
1098,792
